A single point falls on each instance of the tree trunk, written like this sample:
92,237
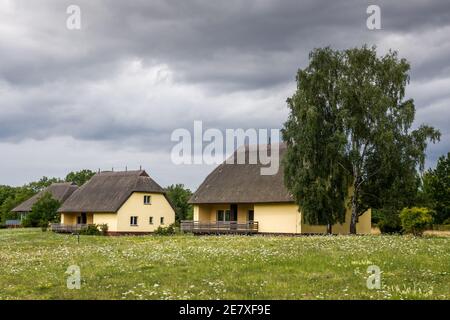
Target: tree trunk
354,203
329,228
353,218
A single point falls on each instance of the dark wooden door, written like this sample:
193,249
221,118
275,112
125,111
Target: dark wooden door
234,212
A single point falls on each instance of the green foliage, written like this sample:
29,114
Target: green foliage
103,229
43,183
79,177
179,196
44,226
415,220
10,197
349,128
165,231
387,221
91,230
436,189
43,212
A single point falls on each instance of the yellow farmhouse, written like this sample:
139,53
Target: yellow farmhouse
236,198
128,202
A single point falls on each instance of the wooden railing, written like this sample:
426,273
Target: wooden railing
219,226
67,228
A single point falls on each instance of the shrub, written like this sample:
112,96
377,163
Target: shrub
43,225
103,229
388,221
90,230
165,231
415,220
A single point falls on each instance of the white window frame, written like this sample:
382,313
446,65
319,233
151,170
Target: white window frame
135,220
150,220
161,220
149,202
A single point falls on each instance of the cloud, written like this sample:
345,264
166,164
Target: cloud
138,70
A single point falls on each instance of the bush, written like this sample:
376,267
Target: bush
43,225
165,231
387,221
90,230
103,229
415,220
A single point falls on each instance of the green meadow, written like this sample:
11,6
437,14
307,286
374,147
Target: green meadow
33,265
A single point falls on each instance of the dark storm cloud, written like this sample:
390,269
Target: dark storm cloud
137,70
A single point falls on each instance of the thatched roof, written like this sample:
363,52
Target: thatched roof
59,191
108,191
243,183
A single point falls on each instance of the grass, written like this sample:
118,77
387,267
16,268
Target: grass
33,265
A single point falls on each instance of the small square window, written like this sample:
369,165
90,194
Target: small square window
147,199
150,220
133,221
162,220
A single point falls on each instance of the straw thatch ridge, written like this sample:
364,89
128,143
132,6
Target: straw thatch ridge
243,183
108,191
59,191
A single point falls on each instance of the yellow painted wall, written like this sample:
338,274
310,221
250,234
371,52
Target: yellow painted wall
134,206
278,217
109,218
201,212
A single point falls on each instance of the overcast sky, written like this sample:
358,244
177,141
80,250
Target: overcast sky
110,94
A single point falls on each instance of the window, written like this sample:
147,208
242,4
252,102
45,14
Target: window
227,215
251,215
147,199
150,220
161,220
223,215
133,221
219,215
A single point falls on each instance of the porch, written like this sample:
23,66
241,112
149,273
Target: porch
77,218
216,227
67,228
